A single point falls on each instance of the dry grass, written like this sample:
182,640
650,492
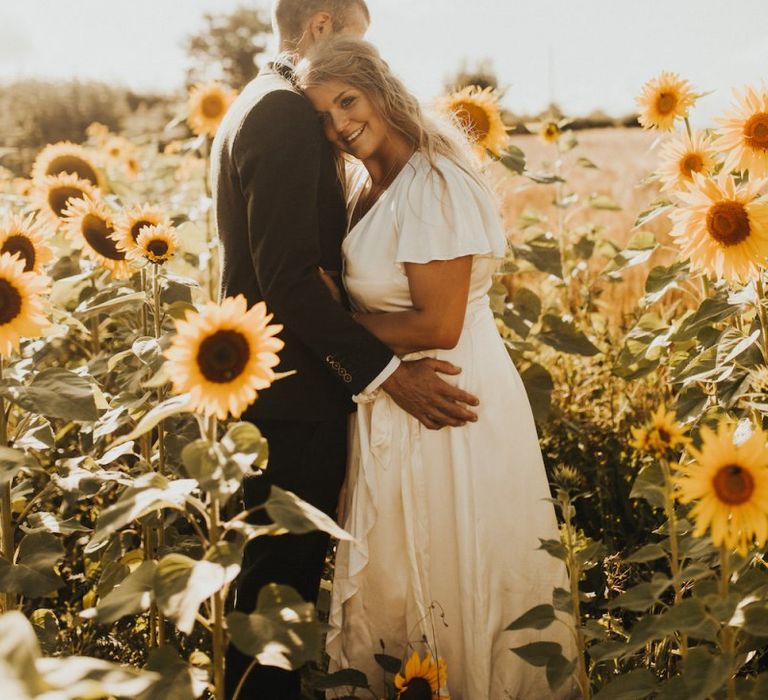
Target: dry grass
624,160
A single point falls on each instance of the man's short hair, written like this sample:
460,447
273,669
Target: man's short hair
289,17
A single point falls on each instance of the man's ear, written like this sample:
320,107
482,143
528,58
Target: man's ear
320,26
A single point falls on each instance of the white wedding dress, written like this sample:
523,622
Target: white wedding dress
451,517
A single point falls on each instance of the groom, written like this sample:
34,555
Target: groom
281,216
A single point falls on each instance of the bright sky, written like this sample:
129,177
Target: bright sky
583,54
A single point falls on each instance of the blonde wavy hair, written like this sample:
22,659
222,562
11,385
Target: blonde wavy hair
358,64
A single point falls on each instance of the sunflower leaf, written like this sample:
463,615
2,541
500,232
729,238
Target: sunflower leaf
538,618
299,517
166,409
56,393
538,653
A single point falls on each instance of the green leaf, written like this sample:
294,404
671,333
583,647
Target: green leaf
149,492
169,407
538,618
391,664
538,653
120,301
299,517
179,681
634,685
182,584
649,485
77,677
702,675
282,632
20,651
543,178
543,252
756,620
554,548
539,386
603,202
347,677
56,393
12,461
642,596
712,310
559,670
685,616
661,279
46,625
586,163
562,600
565,337
649,552
658,209
133,595
43,521
513,159
639,249
33,574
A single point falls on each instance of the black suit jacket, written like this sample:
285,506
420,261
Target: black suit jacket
280,214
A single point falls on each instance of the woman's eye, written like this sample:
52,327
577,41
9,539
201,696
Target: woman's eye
347,101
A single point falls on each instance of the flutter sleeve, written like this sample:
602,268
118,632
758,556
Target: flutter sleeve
442,218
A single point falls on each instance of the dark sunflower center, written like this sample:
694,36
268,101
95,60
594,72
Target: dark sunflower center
728,223
417,689
551,131
474,119
74,166
666,102
157,247
98,234
10,302
692,163
664,435
136,228
21,246
58,197
733,484
212,106
756,131
222,357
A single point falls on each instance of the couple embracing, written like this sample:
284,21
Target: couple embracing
369,232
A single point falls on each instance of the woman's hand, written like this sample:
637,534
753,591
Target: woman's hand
332,287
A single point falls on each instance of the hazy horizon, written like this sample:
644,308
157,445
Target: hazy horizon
589,56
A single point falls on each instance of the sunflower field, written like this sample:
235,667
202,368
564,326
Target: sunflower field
640,332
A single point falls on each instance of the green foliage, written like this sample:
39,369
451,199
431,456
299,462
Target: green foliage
228,46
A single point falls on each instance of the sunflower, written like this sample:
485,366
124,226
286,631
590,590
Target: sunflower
421,678
133,220
66,157
684,155
744,133
21,303
662,433
157,244
663,100
207,106
477,111
729,484
24,238
223,355
90,224
722,228
54,192
97,132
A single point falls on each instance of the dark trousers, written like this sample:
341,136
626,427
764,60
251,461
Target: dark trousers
308,458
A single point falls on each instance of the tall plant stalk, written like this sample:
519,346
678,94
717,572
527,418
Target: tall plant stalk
674,545
727,639
217,600
574,574
6,516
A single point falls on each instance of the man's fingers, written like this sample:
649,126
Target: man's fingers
444,367
455,394
455,412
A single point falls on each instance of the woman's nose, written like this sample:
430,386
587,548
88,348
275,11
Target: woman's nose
340,121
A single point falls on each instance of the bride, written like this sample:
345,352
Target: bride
447,522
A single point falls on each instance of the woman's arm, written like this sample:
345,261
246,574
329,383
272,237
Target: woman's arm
439,290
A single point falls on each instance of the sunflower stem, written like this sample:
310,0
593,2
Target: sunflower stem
688,127
6,506
574,574
760,293
212,249
674,557
143,316
727,637
217,599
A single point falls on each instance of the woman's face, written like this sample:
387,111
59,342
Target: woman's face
350,119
